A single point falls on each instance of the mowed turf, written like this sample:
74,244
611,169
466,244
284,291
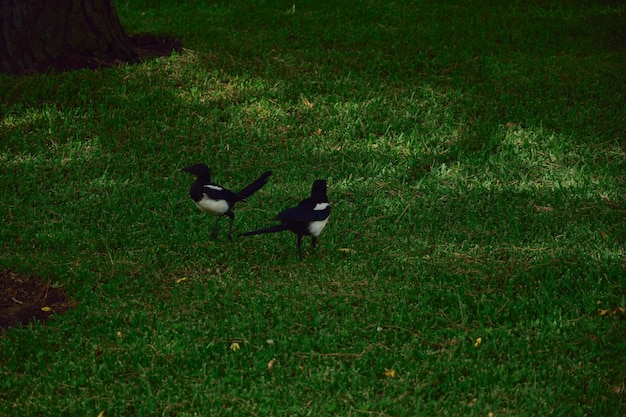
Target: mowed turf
473,264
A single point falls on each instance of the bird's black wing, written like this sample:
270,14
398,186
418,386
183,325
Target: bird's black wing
302,214
213,191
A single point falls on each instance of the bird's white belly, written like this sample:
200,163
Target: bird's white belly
315,228
214,207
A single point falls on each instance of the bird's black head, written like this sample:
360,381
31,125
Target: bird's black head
199,170
318,191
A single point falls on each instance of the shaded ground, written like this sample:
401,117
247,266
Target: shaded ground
145,45
24,299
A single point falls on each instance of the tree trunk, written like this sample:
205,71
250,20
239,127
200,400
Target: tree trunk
60,34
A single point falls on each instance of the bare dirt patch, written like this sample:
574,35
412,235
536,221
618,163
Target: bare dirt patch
25,299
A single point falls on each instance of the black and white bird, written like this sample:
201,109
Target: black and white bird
216,200
308,218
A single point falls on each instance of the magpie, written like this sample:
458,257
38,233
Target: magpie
308,218
216,200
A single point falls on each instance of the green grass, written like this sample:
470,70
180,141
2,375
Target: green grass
475,154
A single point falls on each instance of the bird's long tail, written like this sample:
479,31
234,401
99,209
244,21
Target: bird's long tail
255,186
274,229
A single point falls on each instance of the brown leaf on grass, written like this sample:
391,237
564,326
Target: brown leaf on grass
307,103
390,373
478,342
346,250
616,312
472,402
618,389
542,209
270,364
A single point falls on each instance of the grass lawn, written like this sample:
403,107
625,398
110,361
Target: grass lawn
474,262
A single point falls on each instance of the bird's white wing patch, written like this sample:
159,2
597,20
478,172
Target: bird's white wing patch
214,187
315,228
320,206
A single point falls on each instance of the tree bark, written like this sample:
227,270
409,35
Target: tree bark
60,34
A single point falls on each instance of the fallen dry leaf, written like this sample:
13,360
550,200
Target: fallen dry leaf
270,364
617,311
478,342
542,208
307,103
390,373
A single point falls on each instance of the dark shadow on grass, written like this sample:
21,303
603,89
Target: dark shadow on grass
145,45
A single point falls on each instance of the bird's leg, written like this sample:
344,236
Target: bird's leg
232,220
313,242
300,246
214,231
